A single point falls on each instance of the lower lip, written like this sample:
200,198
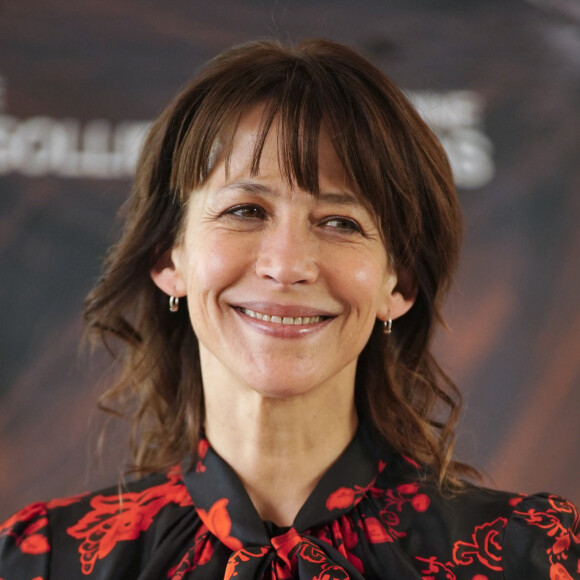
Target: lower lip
283,330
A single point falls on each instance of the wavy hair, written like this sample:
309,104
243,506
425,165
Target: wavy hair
398,168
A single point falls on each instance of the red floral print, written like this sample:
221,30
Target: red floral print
35,544
342,535
358,538
485,546
219,523
285,545
405,493
123,517
435,570
550,521
311,552
514,501
202,449
198,555
407,489
420,502
291,547
32,520
63,502
385,530
241,556
375,531
558,572
342,498
330,572
347,497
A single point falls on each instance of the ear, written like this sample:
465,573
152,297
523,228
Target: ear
400,295
167,274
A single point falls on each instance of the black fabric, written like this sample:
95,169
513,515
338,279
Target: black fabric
371,516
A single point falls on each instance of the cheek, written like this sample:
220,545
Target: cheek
367,281
213,266
364,277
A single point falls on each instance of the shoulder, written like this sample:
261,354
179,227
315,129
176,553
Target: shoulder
24,544
543,532
482,531
76,532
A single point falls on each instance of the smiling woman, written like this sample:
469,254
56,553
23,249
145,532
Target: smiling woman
290,238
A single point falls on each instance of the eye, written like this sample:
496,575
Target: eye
246,211
343,224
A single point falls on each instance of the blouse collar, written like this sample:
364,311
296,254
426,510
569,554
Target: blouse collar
225,507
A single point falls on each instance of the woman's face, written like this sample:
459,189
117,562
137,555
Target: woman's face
283,288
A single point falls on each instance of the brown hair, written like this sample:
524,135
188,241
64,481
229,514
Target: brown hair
397,166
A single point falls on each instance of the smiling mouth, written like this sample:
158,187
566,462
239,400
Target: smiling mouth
284,320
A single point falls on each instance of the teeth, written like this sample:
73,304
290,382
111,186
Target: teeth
287,320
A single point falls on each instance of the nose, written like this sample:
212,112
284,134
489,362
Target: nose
288,255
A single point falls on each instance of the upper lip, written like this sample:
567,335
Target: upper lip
282,310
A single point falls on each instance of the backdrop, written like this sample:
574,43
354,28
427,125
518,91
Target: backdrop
499,82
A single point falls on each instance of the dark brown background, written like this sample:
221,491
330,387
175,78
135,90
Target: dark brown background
515,342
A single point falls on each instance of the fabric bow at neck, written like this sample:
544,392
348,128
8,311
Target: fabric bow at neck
262,550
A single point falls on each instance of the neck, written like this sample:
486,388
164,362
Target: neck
279,447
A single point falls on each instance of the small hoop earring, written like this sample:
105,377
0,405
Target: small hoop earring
388,326
173,304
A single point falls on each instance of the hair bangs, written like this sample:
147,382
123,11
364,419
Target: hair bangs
295,105
297,135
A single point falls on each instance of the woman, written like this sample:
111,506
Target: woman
288,243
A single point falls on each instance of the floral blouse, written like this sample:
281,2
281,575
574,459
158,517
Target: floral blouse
371,516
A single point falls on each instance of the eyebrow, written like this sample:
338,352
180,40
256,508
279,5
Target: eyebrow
338,197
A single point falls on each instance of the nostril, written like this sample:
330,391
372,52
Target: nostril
287,267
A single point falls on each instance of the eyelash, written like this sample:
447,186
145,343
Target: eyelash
346,225
238,210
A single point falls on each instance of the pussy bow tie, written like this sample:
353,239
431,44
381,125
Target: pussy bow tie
261,550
